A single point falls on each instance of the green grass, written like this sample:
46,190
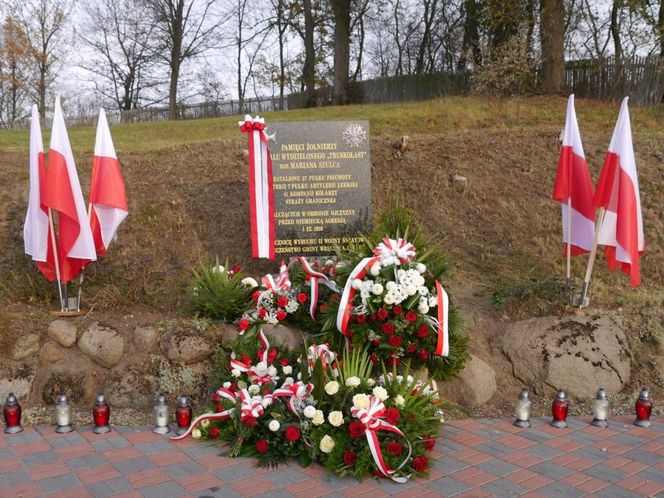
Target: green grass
392,120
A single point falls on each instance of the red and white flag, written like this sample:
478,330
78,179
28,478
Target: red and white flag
573,182
36,234
63,194
108,201
618,193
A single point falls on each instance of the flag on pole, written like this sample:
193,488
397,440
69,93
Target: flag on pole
573,183
63,194
621,231
108,201
36,235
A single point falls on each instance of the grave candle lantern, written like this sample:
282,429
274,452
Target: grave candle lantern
101,414
12,414
63,414
643,409
183,415
522,410
559,410
600,409
161,415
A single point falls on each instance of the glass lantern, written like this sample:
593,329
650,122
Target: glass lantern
522,410
600,409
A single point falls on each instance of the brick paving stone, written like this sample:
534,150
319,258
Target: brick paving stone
448,486
86,461
169,458
447,465
133,465
49,470
234,472
286,475
182,469
199,482
551,470
593,485
542,451
13,478
96,474
169,489
559,490
252,486
24,490
144,478
605,473
498,468
58,483
218,492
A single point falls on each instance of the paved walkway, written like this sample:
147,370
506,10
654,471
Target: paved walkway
473,458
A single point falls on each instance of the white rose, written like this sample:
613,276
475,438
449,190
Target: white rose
377,289
318,418
226,385
272,372
336,418
411,290
218,269
399,401
380,393
375,270
326,444
371,382
357,284
389,298
261,367
309,411
421,268
361,401
423,308
287,369
419,281
332,387
391,286
205,424
274,425
236,373
196,434
249,282
352,381
401,273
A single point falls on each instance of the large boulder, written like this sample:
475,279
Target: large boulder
473,386
145,338
283,336
26,346
187,349
102,344
15,378
51,352
74,374
578,353
133,384
63,332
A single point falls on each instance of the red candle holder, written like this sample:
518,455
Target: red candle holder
12,414
101,414
183,415
559,410
643,409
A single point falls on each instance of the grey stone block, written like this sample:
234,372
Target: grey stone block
201,450
498,468
187,468
643,456
285,475
86,461
13,478
493,448
234,473
551,470
161,490
605,473
134,465
447,486
543,451
447,464
35,459
218,492
559,490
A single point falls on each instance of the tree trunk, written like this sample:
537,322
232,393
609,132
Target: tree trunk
615,33
42,91
429,16
173,89
281,29
661,28
341,10
471,37
553,51
360,50
309,69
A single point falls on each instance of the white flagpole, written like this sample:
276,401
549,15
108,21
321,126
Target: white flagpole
55,257
569,247
591,260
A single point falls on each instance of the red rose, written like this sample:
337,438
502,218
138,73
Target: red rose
392,415
246,359
420,463
373,358
236,268
219,408
282,301
393,362
266,391
249,421
422,354
382,314
397,310
349,457
411,317
387,328
262,312
283,362
243,324
356,429
395,341
271,356
233,387
292,433
256,295
376,342
394,448
214,432
423,331
412,348
301,298
261,446
361,318
281,315
429,443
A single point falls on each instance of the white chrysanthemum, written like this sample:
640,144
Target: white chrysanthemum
399,401
420,267
235,372
218,269
205,424
196,434
327,444
361,401
377,289
419,281
411,290
336,418
287,369
254,389
357,284
391,286
353,381
318,418
423,291
292,306
332,387
309,411
389,298
433,302
423,307
274,425
249,282
371,382
401,273
380,393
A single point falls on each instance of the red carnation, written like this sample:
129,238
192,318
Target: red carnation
236,268
246,359
429,443
420,463
395,341
394,448
283,362
249,421
361,318
388,328
301,298
356,429
393,361
282,301
261,446
392,415
292,433
349,458
233,387
262,312
243,324
256,295
422,354
272,355
412,348
397,310
411,317
376,342
219,408
281,315
423,331
373,358
382,314
214,432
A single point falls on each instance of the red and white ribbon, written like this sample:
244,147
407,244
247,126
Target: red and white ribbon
225,415
261,192
256,373
443,343
322,351
373,422
282,283
294,392
346,303
399,249
314,276
250,407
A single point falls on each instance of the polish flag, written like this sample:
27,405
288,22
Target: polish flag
573,181
36,233
618,193
63,194
108,201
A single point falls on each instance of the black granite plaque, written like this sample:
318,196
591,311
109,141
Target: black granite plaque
322,184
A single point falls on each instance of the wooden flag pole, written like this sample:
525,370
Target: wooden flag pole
55,257
582,299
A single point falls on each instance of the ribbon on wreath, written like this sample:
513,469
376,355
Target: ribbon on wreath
225,415
294,392
346,303
322,351
395,249
372,420
282,283
443,343
249,407
314,277
261,191
256,373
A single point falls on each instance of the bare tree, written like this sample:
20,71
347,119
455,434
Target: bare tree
615,32
429,14
552,36
14,70
660,26
341,10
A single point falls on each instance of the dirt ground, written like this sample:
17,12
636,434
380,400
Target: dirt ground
190,205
